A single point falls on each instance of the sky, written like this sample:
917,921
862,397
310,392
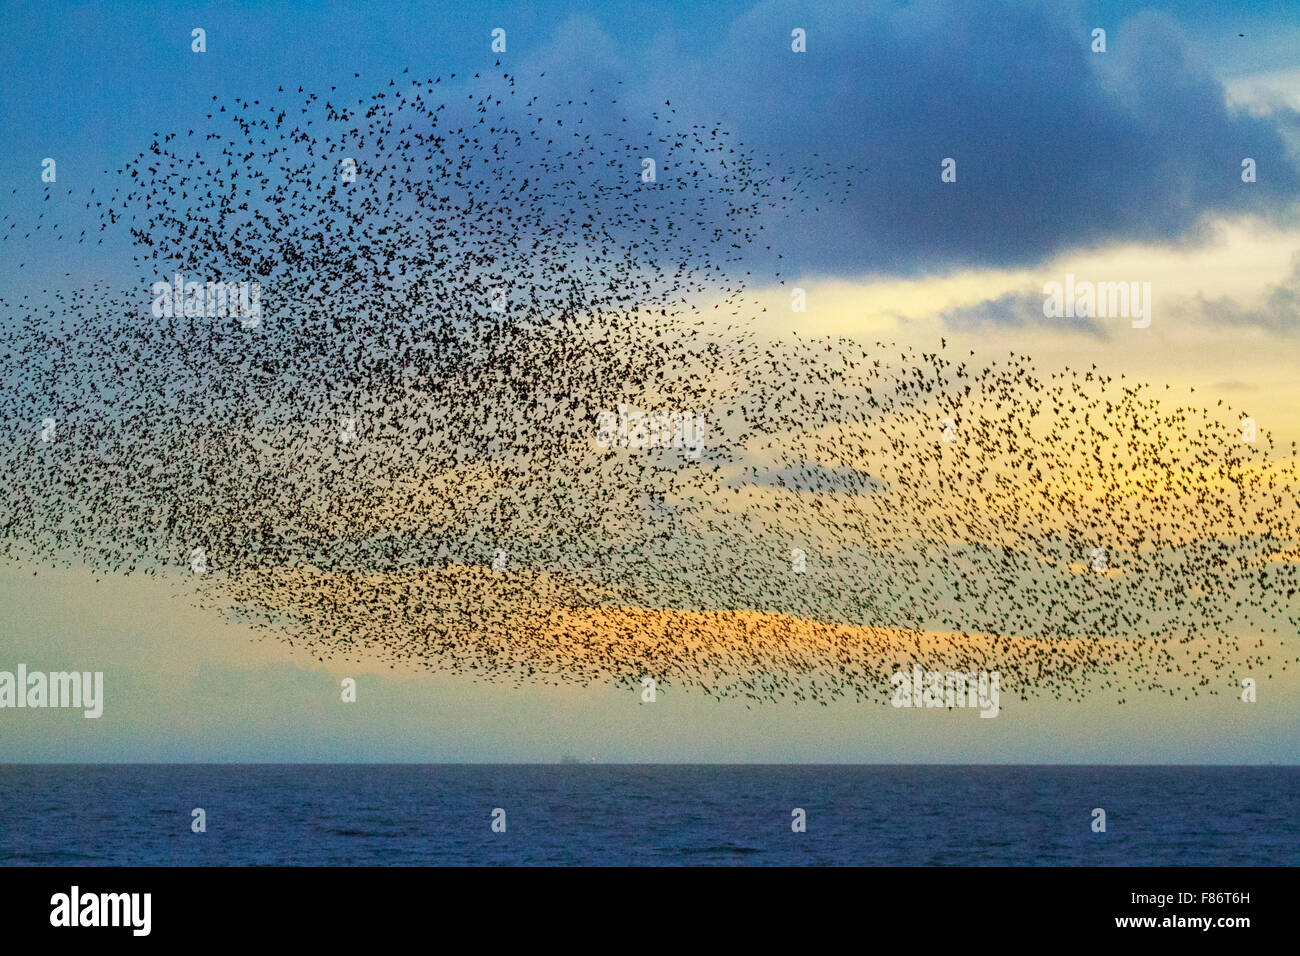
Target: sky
1117,166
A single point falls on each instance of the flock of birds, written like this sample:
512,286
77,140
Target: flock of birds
400,458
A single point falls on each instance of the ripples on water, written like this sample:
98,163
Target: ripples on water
634,815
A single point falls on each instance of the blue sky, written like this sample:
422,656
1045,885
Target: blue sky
1057,147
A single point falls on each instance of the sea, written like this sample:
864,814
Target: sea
647,815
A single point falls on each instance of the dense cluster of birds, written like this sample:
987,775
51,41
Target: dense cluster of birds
401,458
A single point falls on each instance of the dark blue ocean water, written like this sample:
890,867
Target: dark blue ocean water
640,814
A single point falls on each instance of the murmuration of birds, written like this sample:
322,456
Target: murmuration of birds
401,459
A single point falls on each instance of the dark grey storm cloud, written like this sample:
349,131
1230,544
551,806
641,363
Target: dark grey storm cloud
1057,147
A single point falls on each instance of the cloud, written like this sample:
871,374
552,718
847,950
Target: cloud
1057,147
1278,312
814,477
1014,310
